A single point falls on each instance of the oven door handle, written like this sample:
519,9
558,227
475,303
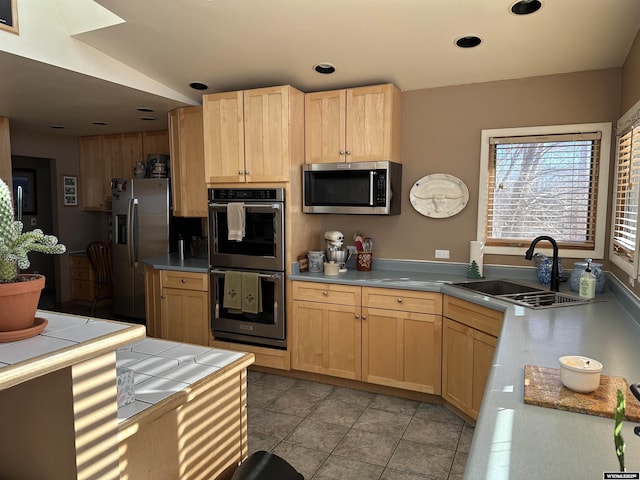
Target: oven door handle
266,206
270,276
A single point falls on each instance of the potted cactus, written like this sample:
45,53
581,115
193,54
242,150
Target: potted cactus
19,293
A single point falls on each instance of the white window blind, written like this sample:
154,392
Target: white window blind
543,185
626,199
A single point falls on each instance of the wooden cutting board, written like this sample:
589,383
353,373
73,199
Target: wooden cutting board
542,387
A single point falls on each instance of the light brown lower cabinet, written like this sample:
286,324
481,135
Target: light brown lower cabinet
402,338
383,336
326,329
177,305
469,340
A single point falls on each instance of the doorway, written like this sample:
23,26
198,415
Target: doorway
38,207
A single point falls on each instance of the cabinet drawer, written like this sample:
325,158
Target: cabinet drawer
404,300
83,274
476,316
79,262
82,290
327,293
184,280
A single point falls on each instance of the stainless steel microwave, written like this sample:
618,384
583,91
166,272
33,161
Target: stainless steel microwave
361,188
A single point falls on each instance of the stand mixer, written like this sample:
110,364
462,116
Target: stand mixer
335,249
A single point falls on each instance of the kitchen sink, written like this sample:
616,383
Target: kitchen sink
498,287
522,294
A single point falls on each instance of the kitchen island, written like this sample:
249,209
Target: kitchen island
60,404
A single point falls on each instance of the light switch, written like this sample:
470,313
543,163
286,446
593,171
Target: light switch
33,222
442,253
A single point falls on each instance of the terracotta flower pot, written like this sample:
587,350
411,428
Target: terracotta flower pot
19,302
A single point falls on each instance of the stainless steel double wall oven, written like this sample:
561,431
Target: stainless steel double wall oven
261,251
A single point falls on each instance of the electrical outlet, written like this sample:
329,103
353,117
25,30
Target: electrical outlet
442,253
632,281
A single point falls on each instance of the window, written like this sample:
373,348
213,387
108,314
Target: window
544,181
626,196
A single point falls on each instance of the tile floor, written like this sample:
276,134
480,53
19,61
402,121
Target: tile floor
329,432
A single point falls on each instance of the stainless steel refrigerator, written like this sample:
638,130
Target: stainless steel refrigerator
140,222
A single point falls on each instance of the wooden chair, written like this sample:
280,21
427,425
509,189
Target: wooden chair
99,254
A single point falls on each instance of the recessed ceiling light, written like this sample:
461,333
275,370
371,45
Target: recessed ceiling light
147,118
324,68
198,85
100,123
469,41
56,126
525,7
144,109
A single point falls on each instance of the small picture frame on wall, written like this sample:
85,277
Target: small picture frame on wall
70,190
9,16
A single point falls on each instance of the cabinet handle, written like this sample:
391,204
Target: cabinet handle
348,152
246,172
325,293
357,316
341,152
364,317
400,300
183,281
239,172
161,296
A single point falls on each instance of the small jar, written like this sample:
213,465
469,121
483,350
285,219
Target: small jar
579,268
316,260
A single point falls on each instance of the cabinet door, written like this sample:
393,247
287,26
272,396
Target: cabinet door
325,128
326,339
223,125
402,349
266,134
112,158
185,315
467,357
155,142
187,162
373,123
92,175
131,154
152,302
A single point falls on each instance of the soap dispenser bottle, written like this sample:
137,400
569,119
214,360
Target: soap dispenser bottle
587,282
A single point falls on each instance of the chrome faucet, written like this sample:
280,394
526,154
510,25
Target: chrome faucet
555,274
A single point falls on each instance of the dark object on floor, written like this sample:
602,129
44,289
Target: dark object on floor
99,254
263,465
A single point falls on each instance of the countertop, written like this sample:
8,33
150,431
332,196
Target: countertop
161,368
66,340
513,440
172,261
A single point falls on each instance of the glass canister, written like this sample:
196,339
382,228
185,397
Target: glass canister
579,267
316,260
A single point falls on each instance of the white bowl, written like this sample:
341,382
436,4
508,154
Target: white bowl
580,374
331,268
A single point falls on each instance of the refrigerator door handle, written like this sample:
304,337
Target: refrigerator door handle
131,225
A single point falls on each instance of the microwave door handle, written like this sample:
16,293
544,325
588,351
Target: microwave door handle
371,183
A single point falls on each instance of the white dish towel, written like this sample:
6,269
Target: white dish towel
235,221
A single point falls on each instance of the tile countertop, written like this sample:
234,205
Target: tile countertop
65,341
513,440
160,368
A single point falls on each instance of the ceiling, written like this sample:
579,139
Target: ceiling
240,44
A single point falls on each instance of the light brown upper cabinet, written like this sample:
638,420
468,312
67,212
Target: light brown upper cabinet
103,157
189,191
353,125
249,136
93,178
